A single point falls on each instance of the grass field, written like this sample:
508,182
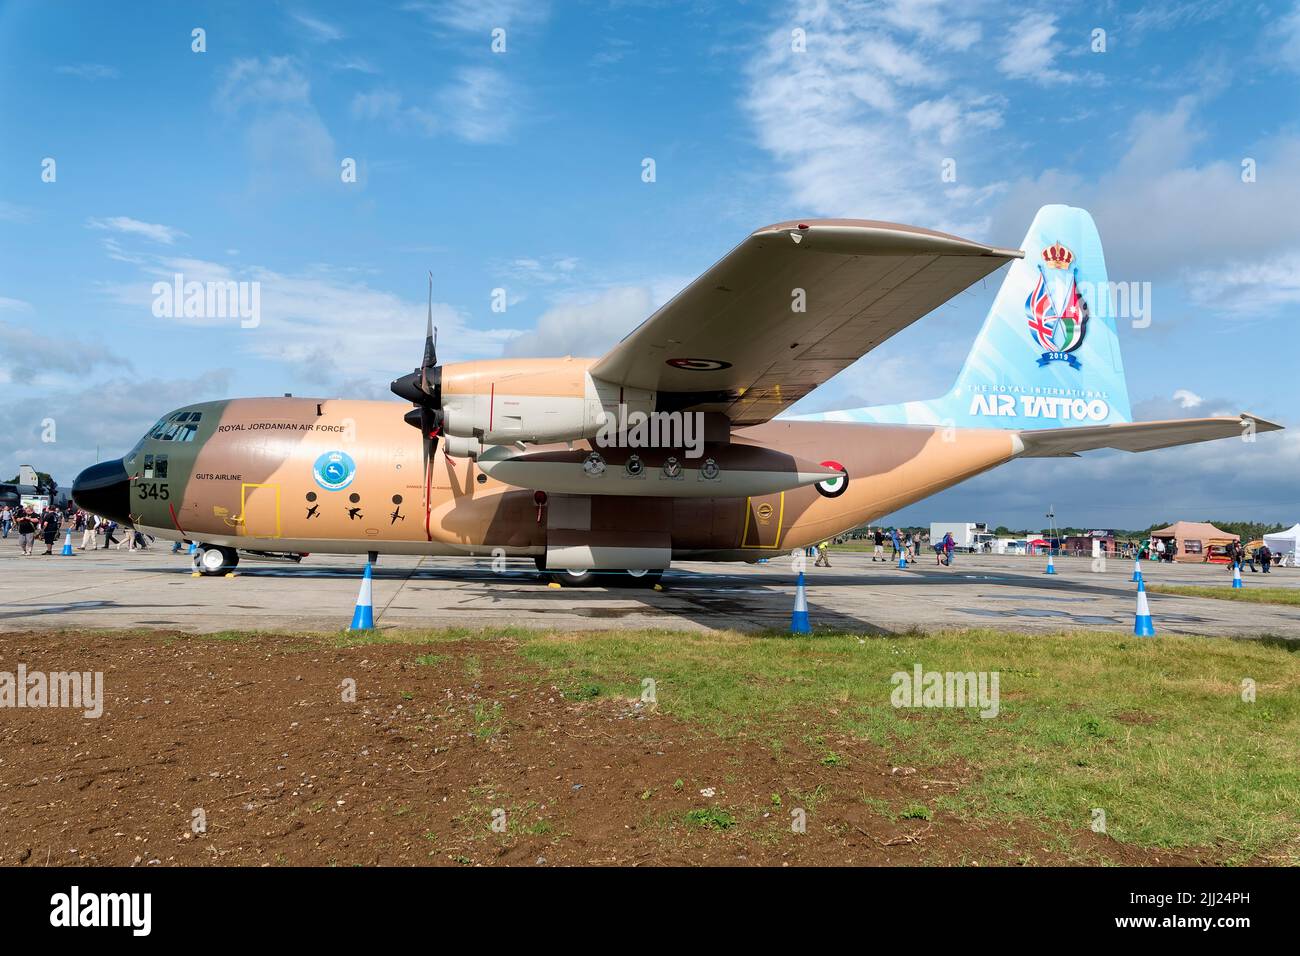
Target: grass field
1158,732
1154,731
1249,593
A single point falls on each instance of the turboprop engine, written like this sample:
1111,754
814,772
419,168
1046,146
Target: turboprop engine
504,401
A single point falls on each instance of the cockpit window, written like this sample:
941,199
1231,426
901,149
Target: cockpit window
182,426
178,426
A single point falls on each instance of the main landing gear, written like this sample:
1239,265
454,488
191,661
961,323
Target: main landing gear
212,559
576,578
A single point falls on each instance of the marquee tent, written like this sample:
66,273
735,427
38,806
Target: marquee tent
1197,541
1283,543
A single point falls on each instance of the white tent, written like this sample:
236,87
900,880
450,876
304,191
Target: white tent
1283,543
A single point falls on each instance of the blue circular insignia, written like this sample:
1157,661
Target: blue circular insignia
334,470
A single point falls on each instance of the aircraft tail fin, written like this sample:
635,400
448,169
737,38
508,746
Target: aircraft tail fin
1048,353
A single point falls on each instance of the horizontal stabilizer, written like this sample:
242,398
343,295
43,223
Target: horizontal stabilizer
1139,436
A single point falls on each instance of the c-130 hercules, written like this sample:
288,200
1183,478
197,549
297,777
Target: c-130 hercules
505,457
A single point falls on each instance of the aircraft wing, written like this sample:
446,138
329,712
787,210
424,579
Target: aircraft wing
788,308
1138,436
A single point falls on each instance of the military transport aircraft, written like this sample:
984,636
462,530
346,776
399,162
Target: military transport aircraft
521,457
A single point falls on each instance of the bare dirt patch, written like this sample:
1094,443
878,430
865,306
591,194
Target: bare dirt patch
254,737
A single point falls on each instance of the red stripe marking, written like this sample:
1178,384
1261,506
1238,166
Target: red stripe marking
428,505
492,404
174,521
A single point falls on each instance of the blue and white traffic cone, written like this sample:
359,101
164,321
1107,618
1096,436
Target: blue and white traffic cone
1142,625
363,618
67,545
799,619
902,561
191,550
1051,568
1236,575
1137,569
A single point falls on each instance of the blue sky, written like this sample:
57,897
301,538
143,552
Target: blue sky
522,170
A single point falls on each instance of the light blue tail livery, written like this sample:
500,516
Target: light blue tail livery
1047,355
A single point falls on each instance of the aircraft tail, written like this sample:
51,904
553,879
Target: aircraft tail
1047,355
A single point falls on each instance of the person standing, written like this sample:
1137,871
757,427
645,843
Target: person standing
823,555
88,532
949,545
879,553
1265,557
49,528
6,520
26,530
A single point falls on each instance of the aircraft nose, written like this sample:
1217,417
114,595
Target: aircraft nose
105,490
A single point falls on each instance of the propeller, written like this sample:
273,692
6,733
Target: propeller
423,388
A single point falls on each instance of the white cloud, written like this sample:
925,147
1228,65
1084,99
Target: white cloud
275,81
12,212
477,105
481,16
284,134
107,415
318,29
589,324
862,121
949,119
134,227
89,71
1287,38
1034,52
1162,214
388,105
1249,288
29,355
321,325
1188,399
547,271
357,63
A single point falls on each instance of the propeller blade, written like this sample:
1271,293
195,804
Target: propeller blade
430,343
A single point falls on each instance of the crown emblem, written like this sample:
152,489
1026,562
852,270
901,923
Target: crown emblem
1057,256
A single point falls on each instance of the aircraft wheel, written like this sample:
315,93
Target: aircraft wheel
632,578
213,560
574,577
643,578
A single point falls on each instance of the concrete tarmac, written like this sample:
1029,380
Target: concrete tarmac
154,588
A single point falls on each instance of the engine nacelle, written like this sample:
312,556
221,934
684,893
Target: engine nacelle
503,401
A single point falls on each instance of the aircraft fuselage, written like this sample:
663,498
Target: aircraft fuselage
341,476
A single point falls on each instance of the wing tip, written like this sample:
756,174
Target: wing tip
1261,424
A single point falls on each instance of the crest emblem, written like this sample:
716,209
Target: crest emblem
334,470
1059,332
